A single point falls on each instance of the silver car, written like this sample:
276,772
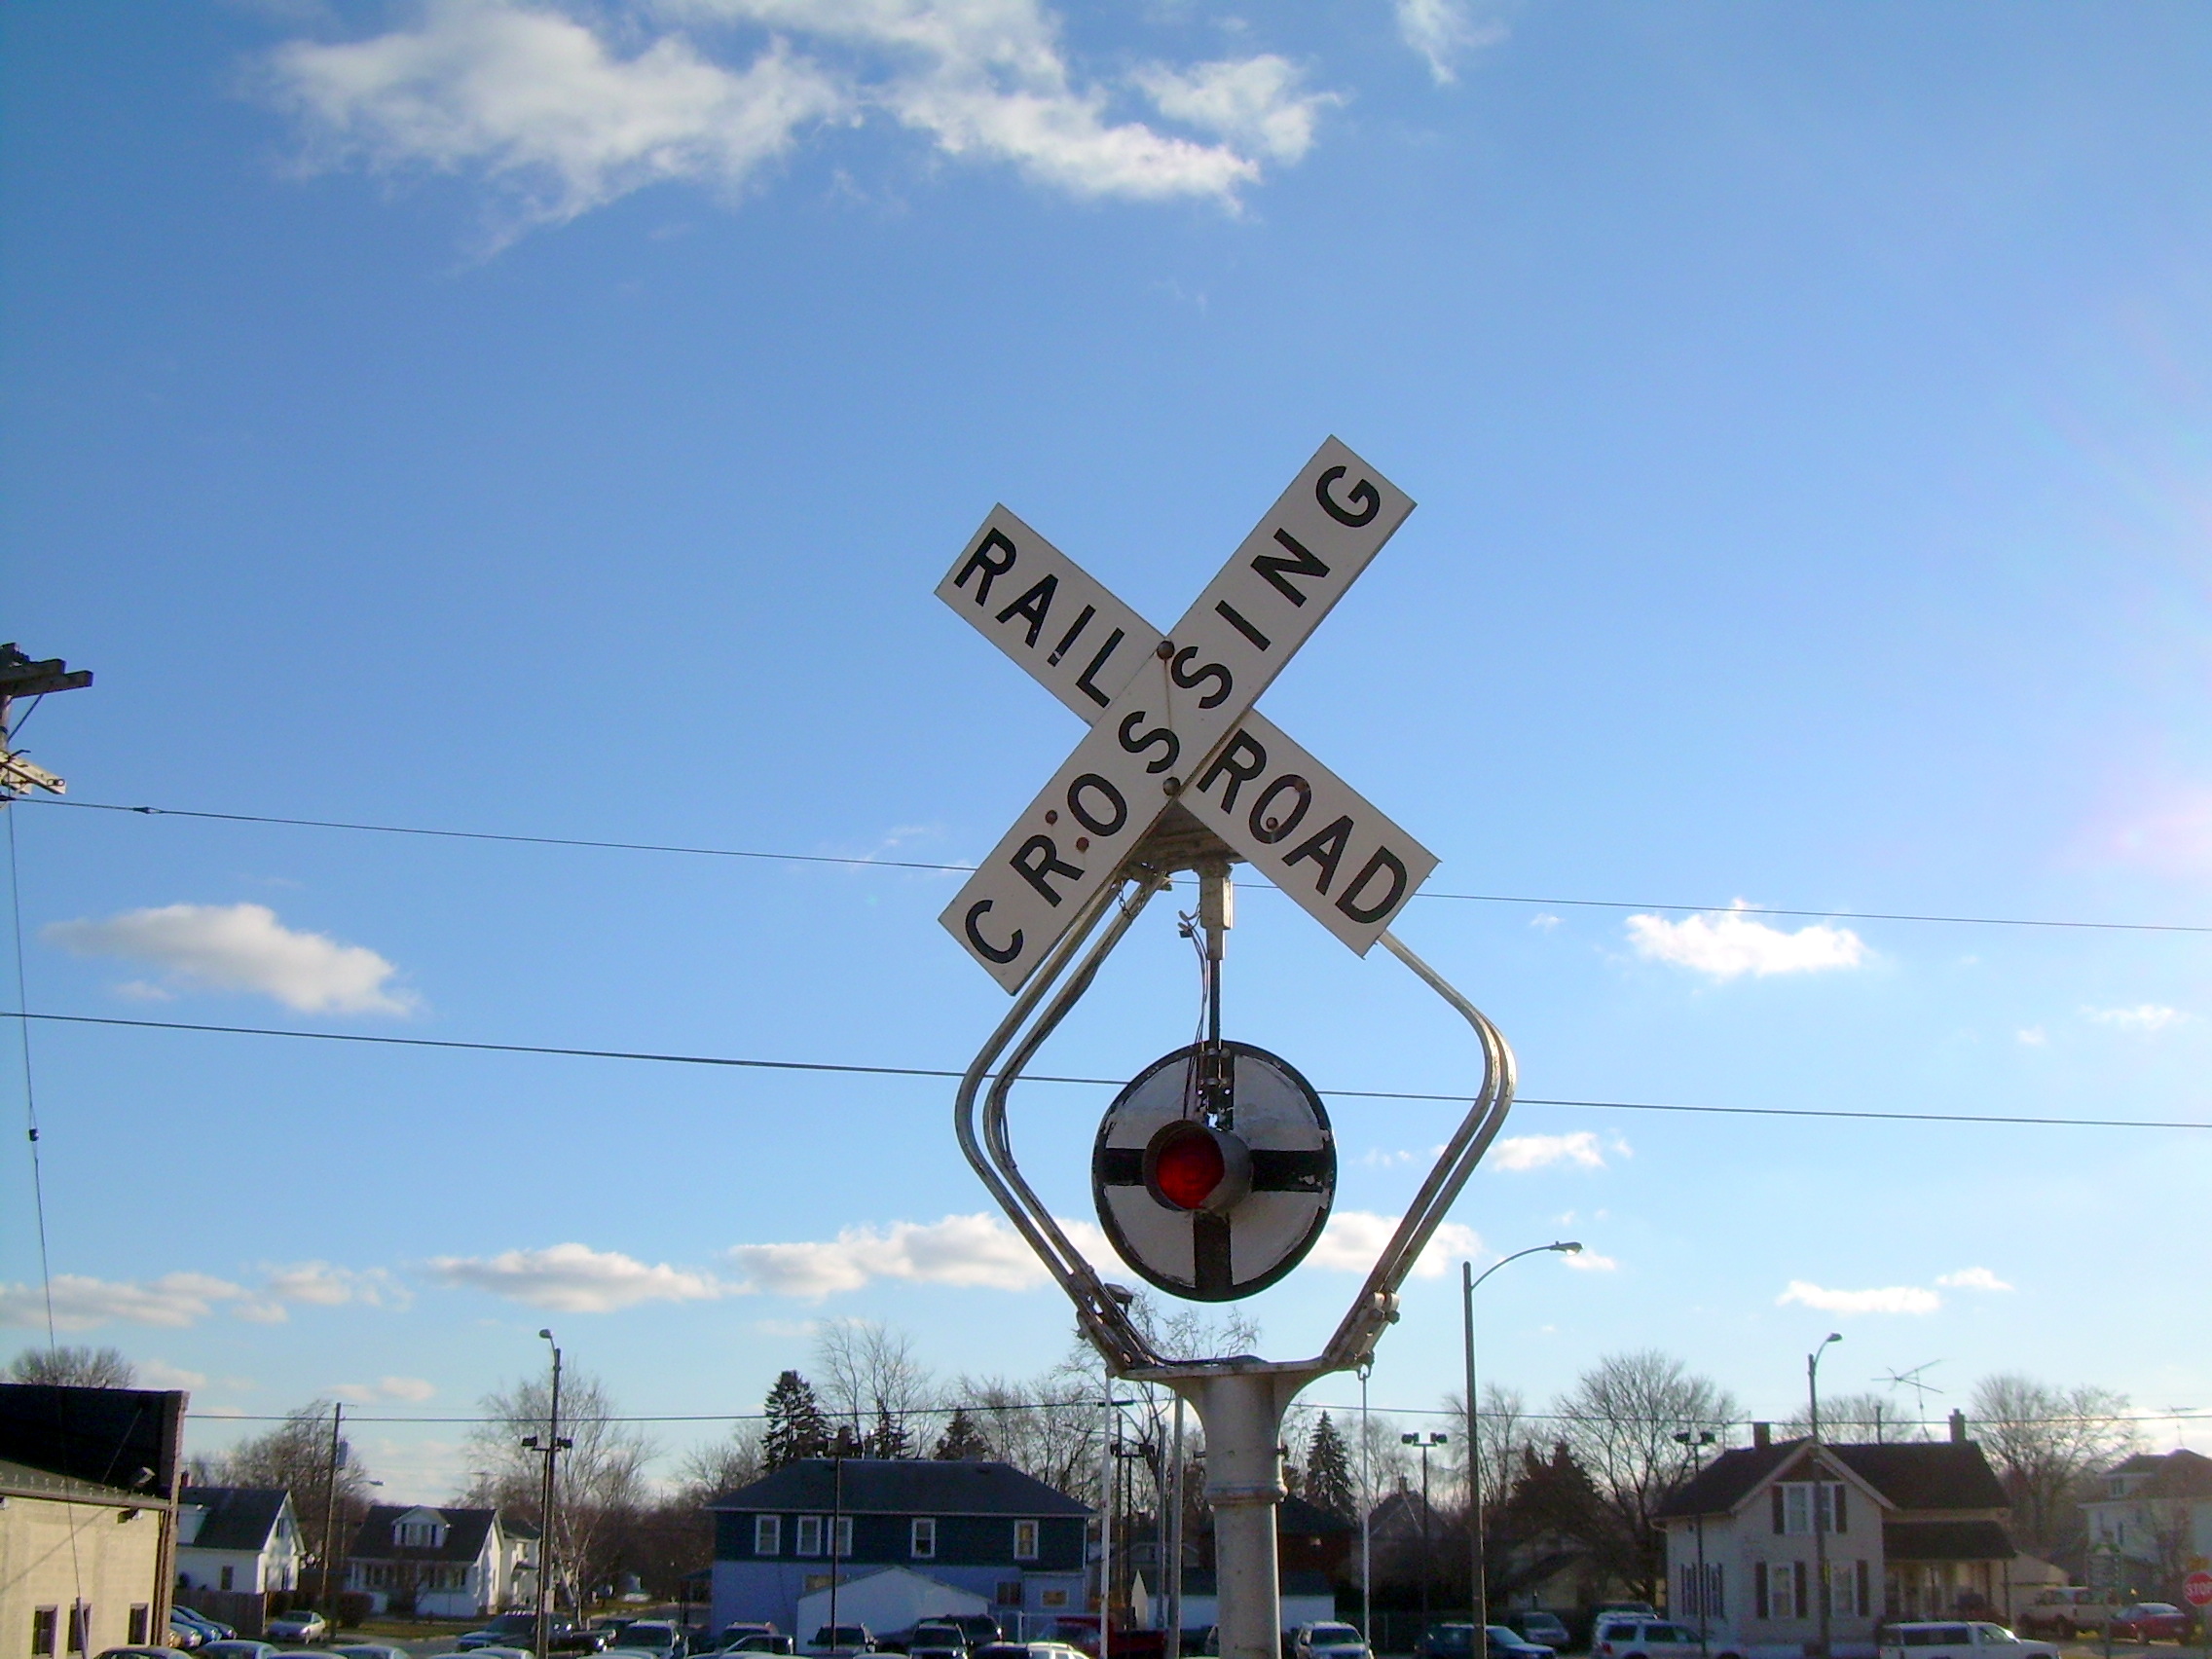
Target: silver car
1329,1642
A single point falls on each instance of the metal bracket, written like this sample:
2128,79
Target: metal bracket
1101,1308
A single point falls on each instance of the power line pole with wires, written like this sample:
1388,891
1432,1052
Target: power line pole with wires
22,677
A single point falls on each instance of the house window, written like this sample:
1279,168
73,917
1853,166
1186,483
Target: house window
842,1544
767,1534
44,1622
229,1572
1759,1608
81,1627
1007,1595
139,1621
418,1535
809,1540
923,1544
1794,1507
1026,1540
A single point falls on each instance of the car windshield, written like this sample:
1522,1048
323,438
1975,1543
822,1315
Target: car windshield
1332,1633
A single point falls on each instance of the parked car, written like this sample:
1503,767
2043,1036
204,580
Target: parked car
233,1647
1953,1639
980,1629
368,1650
184,1633
1503,1641
301,1624
935,1638
1539,1626
738,1630
2067,1610
770,1643
1446,1642
2151,1621
515,1627
1328,1642
1641,1636
842,1638
215,1630
137,1654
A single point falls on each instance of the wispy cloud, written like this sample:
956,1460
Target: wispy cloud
1890,1298
321,1286
1354,1239
1444,31
2032,1037
410,1389
980,1251
161,1373
181,1299
2145,1018
563,111
1579,1148
574,1279
241,947
1972,1278
1732,943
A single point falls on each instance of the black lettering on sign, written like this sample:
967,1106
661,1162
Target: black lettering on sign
1083,681
1033,605
1039,857
1383,860
1090,784
1268,828
1188,677
1363,497
1235,619
1302,563
1242,747
1072,634
981,561
1325,848
1006,952
1136,744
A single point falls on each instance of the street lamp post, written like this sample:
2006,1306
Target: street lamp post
1697,1444
1366,1517
1434,1437
550,1450
1820,1483
1478,1577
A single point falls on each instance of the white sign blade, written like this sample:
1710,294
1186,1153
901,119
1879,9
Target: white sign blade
1045,611
1308,832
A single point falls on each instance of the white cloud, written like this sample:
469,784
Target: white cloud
2146,1018
980,1251
2031,1036
1354,1239
1254,101
242,947
564,113
1539,1152
325,1286
174,1300
409,1388
1972,1278
1732,943
1893,1299
161,1373
573,1279
1443,31
1588,1261
1544,921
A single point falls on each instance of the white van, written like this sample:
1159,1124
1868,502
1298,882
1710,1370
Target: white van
1956,1638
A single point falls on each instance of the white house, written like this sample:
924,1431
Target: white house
2152,1525
1907,1531
451,1563
238,1538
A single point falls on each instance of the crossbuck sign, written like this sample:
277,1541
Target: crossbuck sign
1171,721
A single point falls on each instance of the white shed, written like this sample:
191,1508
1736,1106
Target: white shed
885,1599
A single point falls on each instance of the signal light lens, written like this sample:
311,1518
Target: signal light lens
1186,1168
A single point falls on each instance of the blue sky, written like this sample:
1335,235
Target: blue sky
554,421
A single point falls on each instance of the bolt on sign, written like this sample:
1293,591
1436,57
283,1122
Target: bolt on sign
1172,722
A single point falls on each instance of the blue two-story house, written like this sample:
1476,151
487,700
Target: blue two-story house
967,1536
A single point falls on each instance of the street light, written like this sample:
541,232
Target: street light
1696,1444
550,1448
1820,1483
1478,1578
1434,1437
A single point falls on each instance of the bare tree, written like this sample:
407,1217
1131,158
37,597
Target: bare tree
1850,1417
1503,1427
2044,1440
872,1381
296,1455
1047,1428
1619,1423
601,1480
707,1471
73,1368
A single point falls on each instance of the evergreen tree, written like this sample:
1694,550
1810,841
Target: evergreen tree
1328,1473
889,1438
847,1444
962,1440
796,1427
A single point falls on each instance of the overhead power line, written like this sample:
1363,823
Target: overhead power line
854,1069
870,862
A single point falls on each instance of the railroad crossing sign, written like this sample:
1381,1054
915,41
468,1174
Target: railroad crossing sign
1172,722
1205,1214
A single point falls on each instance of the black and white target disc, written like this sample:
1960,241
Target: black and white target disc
1212,1214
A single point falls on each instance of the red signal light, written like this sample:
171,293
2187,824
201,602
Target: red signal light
1186,1168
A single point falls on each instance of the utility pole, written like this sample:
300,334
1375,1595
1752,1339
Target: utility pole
1171,1532
329,1504
22,677
1820,1483
551,1450
1428,1562
1696,1444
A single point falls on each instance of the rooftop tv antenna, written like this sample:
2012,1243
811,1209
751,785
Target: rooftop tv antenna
1921,1387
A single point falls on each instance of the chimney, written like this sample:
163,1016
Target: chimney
1762,1434
1958,1427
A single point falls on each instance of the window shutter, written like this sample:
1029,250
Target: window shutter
1841,1511
1865,1600
1798,1581
1778,1511
1759,1603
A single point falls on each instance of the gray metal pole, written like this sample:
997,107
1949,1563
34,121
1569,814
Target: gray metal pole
1367,1519
330,1517
836,1520
1106,1520
1478,1577
1819,1485
540,1625
1171,1533
1241,1413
